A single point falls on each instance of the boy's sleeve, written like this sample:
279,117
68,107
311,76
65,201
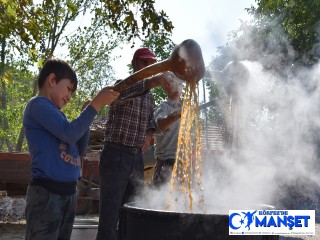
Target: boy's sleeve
83,143
54,121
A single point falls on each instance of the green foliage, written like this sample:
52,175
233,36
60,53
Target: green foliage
33,31
90,56
121,17
300,21
18,92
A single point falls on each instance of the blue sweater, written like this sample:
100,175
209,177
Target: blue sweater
55,144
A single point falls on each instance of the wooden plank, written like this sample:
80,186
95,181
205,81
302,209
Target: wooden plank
15,168
23,156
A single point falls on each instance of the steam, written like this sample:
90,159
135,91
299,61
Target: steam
175,83
276,131
274,127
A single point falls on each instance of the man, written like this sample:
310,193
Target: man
129,131
167,123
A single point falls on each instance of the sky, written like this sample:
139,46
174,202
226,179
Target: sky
208,22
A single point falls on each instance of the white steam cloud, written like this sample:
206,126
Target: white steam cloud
275,125
276,153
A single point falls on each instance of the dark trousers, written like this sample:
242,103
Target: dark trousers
49,216
121,178
162,172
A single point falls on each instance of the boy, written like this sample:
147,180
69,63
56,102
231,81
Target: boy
55,147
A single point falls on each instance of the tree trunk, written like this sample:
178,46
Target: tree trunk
21,134
3,95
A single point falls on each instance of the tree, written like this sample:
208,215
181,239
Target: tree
299,20
10,23
33,31
19,90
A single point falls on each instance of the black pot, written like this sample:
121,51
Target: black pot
138,223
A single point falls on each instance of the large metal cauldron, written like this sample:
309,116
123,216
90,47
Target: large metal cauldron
137,223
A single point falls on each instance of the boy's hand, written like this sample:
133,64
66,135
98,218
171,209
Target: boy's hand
85,104
104,97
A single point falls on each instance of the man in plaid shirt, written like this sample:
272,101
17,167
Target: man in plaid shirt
129,131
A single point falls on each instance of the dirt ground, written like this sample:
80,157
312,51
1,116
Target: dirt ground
15,231
12,231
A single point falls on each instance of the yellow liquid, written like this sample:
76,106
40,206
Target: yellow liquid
186,174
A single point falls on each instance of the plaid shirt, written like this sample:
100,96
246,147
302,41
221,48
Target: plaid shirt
130,116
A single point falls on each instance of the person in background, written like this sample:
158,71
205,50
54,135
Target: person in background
167,121
129,131
55,147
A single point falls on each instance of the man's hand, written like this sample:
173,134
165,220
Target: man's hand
148,140
176,114
165,123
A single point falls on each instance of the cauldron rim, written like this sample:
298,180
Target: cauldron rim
133,206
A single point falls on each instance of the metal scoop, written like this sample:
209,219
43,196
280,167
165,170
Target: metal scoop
186,62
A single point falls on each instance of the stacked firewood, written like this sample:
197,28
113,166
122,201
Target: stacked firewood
11,209
97,134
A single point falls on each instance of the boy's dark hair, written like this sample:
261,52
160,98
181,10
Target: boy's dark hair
61,69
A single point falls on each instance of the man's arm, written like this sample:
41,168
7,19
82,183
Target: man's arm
148,140
154,81
165,123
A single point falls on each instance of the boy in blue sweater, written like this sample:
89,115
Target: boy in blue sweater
55,147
